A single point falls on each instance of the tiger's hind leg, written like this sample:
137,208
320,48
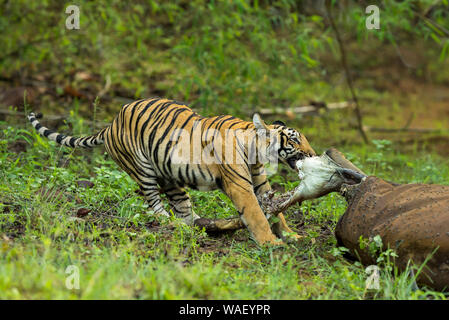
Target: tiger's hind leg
180,204
140,171
150,190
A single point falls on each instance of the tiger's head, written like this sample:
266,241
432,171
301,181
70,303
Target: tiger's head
283,143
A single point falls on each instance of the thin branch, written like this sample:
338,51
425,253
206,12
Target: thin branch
106,87
398,52
349,79
436,25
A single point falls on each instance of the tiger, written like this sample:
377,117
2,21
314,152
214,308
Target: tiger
145,141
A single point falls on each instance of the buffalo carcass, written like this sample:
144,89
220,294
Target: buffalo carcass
412,219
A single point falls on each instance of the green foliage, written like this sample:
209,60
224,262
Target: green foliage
234,57
122,253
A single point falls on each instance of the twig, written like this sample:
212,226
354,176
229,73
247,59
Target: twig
399,53
436,25
106,87
349,79
409,121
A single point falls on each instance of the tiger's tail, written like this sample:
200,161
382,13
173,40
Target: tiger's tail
69,141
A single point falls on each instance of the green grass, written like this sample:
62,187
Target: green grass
221,57
123,253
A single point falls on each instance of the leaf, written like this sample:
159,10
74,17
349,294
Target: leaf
435,38
275,219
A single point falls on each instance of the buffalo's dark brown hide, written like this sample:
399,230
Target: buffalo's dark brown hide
412,219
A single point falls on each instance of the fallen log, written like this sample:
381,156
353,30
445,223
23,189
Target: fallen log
312,108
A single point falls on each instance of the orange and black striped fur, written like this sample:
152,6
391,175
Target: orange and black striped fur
144,135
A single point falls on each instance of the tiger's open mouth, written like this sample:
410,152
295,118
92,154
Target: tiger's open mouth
292,161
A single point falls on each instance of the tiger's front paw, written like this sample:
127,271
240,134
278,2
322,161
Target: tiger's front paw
291,237
268,239
273,243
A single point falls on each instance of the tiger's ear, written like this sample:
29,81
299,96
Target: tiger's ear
259,124
280,123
